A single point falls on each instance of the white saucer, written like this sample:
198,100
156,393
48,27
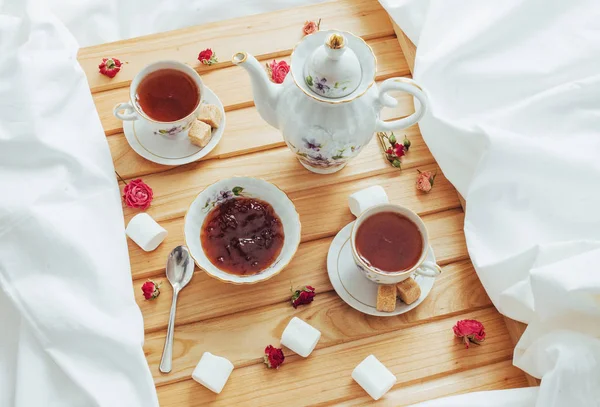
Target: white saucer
162,150
354,288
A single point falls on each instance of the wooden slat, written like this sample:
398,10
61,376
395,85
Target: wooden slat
174,190
338,322
266,35
412,354
206,297
245,133
501,375
232,85
443,226
445,229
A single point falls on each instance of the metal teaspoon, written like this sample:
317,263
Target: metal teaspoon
180,269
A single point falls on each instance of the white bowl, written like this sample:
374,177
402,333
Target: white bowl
248,187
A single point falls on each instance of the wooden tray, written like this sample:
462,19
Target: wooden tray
238,322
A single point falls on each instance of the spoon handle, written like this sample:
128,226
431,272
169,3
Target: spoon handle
167,356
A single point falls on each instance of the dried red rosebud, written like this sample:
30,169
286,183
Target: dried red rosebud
305,295
207,57
470,330
110,67
151,290
273,357
398,150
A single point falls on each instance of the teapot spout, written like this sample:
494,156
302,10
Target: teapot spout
264,91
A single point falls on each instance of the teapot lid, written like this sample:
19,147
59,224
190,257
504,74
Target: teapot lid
333,66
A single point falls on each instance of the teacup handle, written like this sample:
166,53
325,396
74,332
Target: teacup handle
129,113
406,85
429,269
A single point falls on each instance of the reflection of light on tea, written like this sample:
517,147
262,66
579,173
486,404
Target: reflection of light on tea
389,242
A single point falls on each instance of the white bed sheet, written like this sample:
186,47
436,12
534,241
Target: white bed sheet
514,125
70,331
98,21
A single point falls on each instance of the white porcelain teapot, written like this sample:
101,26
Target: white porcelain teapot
328,105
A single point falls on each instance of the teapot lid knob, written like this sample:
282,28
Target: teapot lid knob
333,70
335,46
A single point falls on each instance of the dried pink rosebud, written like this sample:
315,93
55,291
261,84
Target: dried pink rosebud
110,67
469,330
137,194
278,71
425,180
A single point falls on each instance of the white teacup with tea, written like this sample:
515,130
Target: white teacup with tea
165,96
390,243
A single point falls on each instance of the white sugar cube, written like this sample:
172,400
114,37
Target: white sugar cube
300,337
373,377
145,232
212,372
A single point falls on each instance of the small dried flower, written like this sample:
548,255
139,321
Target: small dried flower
278,71
398,150
273,357
425,180
151,290
393,150
469,330
137,194
110,67
310,27
406,143
208,57
305,295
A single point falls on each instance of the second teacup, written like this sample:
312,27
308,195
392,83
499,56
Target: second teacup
165,97
390,243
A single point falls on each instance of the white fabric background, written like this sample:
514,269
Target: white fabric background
70,331
515,125
98,21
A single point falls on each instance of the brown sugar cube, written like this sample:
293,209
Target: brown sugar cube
200,133
408,290
386,298
211,115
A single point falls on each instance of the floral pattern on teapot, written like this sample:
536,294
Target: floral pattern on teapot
321,151
321,86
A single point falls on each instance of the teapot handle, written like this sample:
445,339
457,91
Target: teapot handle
409,86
